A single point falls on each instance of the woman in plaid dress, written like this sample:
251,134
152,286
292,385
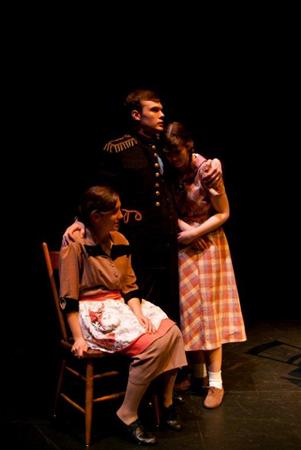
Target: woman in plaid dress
210,310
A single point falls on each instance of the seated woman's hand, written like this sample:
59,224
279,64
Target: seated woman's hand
73,233
147,324
79,347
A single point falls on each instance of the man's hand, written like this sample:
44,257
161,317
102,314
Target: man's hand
211,172
75,232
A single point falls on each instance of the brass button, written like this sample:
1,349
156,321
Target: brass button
157,185
153,147
156,155
156,165
157,193
157,174
157,204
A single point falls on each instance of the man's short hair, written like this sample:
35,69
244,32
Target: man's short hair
134,98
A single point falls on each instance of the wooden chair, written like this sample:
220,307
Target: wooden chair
90,362
70,364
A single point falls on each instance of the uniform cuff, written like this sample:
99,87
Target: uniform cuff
68,304
131,294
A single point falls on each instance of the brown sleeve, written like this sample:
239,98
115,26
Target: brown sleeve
130,288
69,270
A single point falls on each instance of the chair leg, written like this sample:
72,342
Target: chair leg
58,386
89,402
156,406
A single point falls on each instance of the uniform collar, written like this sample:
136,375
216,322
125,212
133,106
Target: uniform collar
148,140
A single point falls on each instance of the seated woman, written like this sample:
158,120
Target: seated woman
100,296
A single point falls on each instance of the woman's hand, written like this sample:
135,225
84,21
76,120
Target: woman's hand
79,347
187,236
147,324
135,305
183,225
190,237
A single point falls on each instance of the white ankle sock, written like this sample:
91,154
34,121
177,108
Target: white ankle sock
215,379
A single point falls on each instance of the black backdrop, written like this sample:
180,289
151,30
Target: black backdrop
236,92
237,123
232,76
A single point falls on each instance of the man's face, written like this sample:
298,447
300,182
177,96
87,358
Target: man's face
151,117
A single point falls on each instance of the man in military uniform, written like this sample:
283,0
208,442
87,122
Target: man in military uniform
134,166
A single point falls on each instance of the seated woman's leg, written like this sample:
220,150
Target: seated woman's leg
162,358
164,354
128,411
128,415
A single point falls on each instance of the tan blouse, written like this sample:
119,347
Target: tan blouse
88,273
85,267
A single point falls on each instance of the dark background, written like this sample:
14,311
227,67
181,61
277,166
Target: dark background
231,75
233,82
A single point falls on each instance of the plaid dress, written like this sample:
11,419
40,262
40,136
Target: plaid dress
209,303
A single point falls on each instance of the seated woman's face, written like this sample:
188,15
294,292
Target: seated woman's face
110,221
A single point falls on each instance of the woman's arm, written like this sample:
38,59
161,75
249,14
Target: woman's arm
69,270
80,345
183,225
221,205
135,305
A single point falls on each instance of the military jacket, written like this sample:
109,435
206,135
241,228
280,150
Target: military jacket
133,165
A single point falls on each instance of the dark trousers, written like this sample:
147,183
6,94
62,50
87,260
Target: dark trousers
156,268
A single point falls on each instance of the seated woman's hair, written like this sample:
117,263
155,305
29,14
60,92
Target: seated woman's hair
102,199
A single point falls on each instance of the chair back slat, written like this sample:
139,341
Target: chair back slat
52,260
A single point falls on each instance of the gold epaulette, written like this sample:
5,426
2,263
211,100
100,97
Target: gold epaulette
120,144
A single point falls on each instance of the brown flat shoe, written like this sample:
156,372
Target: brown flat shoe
214,397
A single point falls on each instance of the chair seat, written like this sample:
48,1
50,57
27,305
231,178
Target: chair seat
90,353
